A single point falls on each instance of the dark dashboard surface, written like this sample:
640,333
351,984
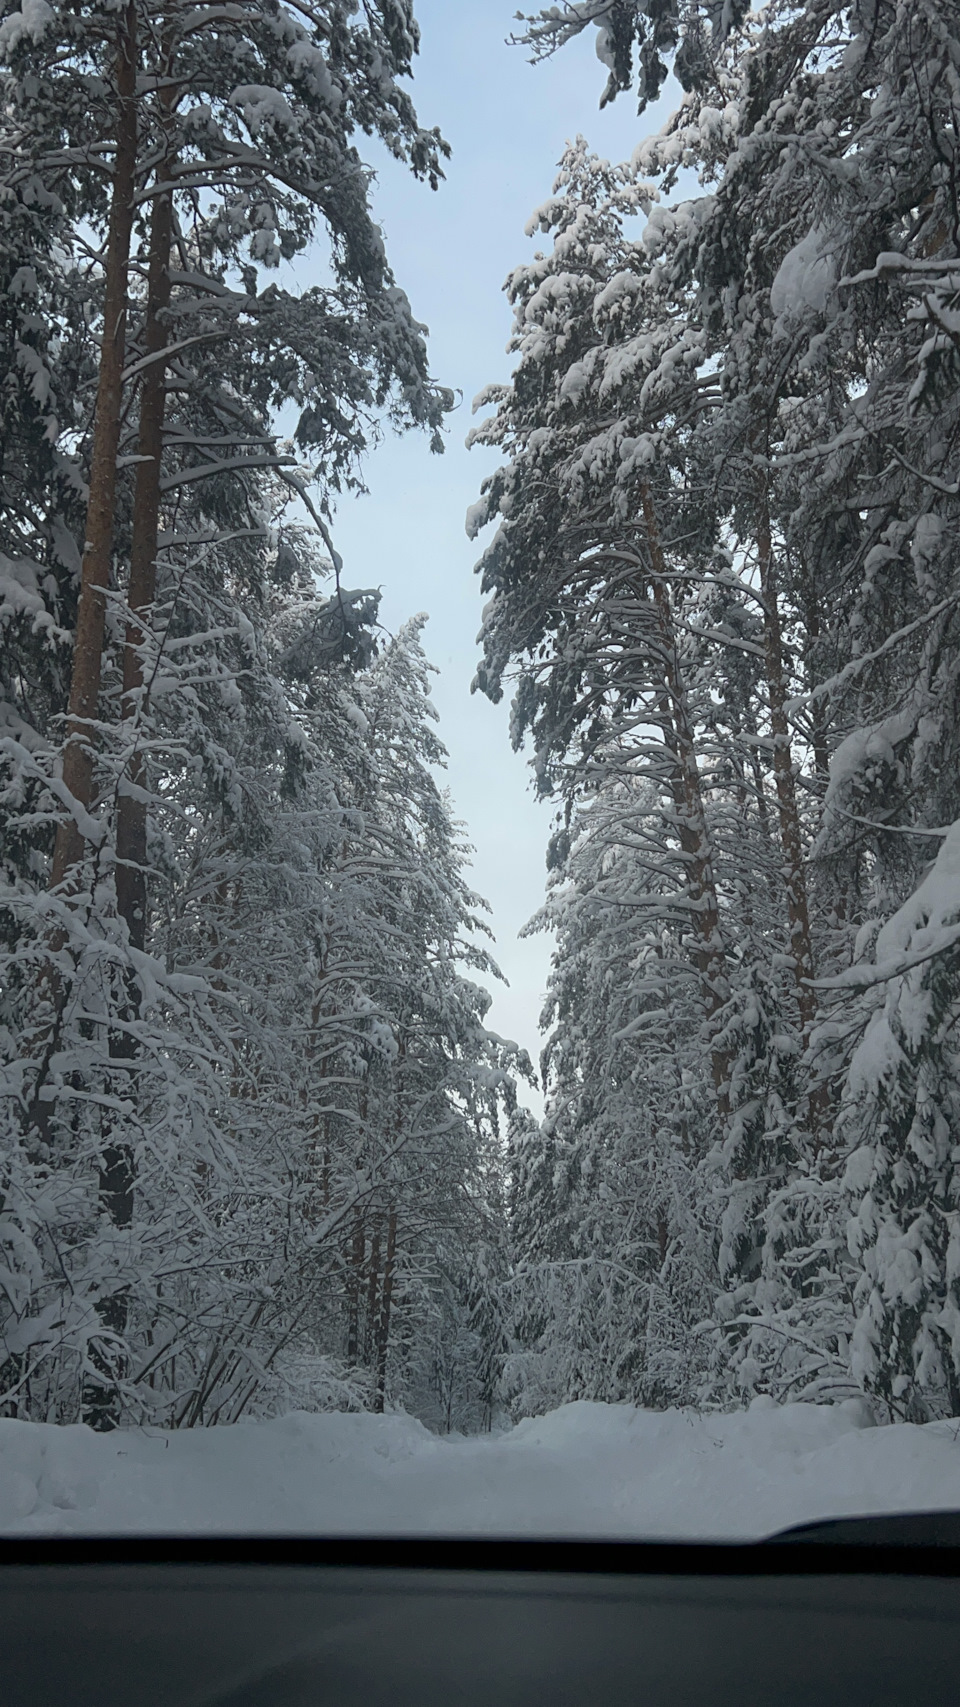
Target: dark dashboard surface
408,1624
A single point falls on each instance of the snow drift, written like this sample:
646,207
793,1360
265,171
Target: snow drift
585,1469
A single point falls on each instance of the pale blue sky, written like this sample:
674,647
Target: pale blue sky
507,122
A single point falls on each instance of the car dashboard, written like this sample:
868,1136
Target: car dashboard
299,1622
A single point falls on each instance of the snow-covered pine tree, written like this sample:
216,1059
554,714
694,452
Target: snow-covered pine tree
639,41
311,1059
852,193
175,1208
898,1127
180,124
584,582
47,365
824,267
892,695
644,652
611,1264
401,1082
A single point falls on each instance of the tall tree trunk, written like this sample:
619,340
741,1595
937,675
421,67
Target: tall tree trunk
760,793
744,881
99,1399
132,811
818,714
386,1304
117,1172
131,876
373,1284
692,822
117,1176
355,1285
791,840
98,544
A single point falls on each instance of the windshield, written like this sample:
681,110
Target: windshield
478,1044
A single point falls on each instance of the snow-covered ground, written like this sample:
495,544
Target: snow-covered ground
601,1470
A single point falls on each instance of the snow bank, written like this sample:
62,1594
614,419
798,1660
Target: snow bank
601,1470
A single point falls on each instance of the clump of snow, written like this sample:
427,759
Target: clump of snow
665,224
864,747
805,276
585,1469
26,25
477,517
932,909
261,104
21,597
605,50
307,62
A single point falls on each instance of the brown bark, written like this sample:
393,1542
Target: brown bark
98,545
131,874
386,1304
117,1174
99,1399
663,1234
132,811
691,818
